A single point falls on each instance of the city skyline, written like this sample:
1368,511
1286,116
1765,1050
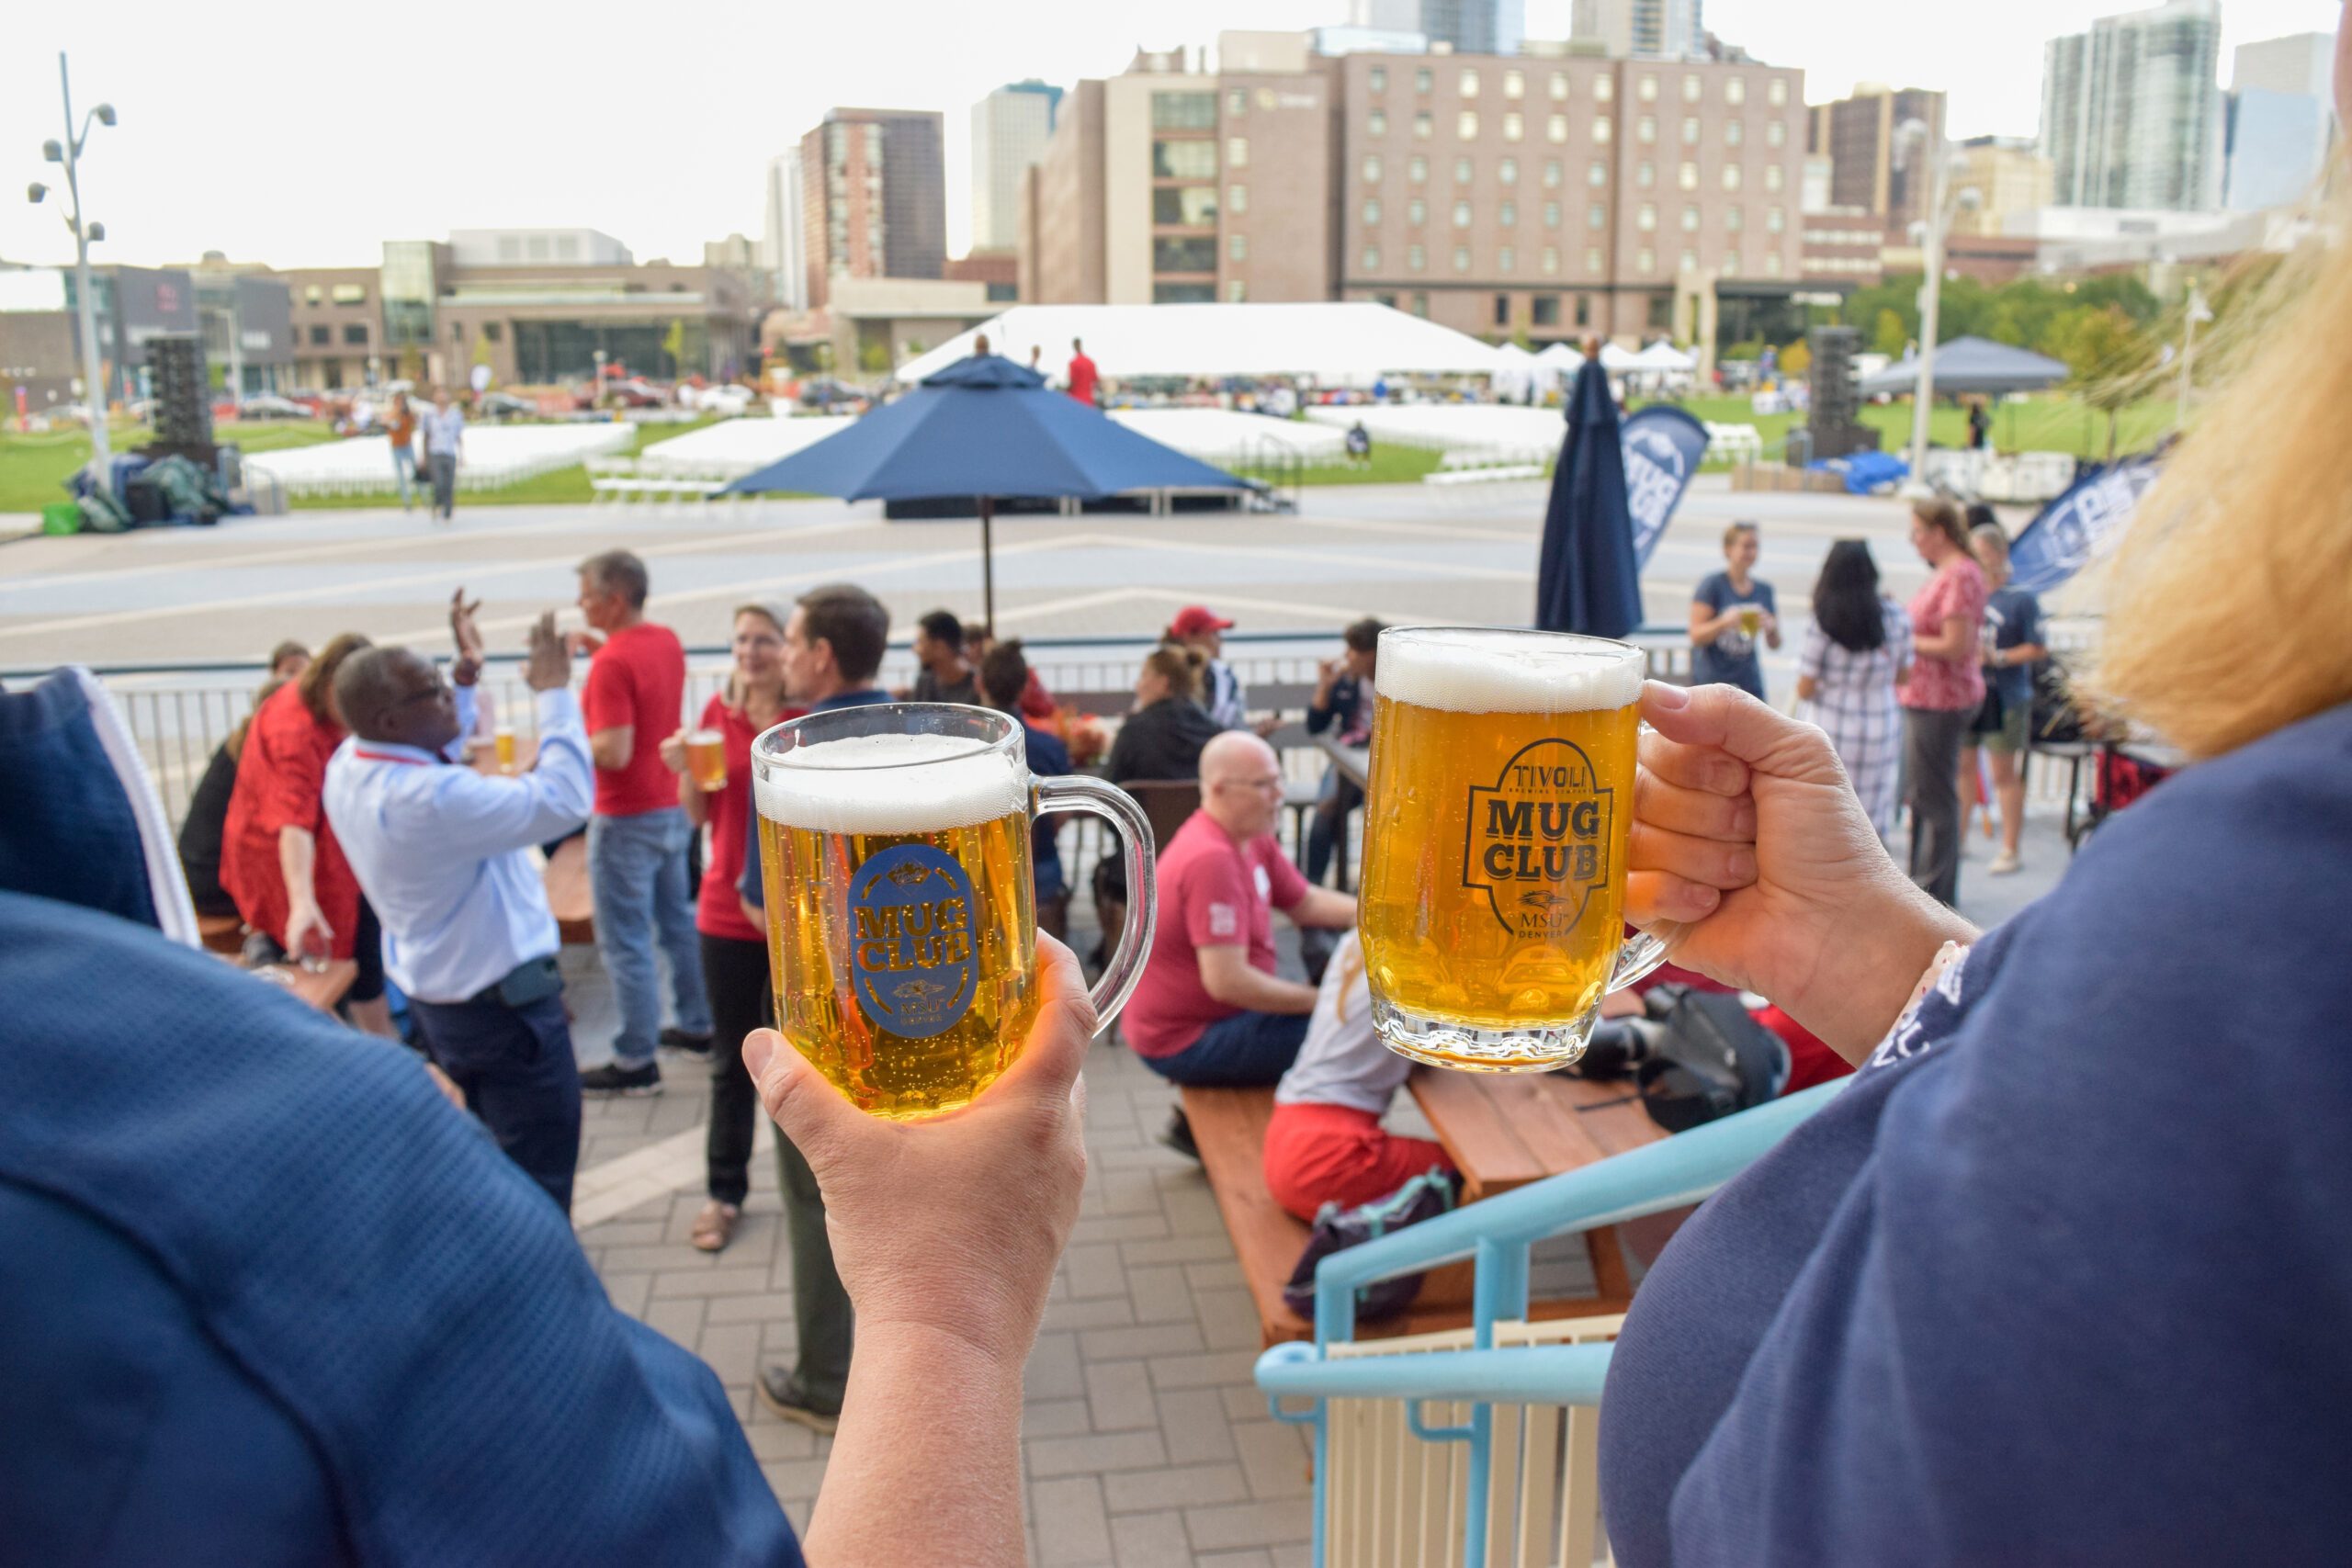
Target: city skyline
189,168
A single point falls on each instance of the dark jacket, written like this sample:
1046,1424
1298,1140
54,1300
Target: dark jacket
1163,741
207,816
1350,697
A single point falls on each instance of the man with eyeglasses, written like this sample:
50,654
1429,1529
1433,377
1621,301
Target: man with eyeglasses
1210,1009
443,853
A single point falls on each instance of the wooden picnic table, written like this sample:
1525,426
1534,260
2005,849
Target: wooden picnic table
1506,1129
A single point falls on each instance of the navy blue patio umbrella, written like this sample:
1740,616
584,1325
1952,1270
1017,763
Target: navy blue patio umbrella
985,427
1588,579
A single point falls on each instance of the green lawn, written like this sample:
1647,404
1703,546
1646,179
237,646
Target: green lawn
2045,423
33,468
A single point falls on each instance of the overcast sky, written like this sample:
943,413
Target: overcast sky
655,123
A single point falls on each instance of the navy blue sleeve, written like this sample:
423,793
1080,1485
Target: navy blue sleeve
1764,595
2029,618
1714,591
753,890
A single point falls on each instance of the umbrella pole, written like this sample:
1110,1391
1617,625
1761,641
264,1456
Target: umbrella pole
987,565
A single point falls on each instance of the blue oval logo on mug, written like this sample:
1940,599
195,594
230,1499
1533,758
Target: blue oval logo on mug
911,940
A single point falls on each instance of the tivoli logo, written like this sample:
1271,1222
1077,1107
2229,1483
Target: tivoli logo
1537,842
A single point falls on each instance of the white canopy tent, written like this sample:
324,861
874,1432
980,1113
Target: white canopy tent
1347,342
1664,357
1515,373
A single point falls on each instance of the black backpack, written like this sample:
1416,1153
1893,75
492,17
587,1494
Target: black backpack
1711,1060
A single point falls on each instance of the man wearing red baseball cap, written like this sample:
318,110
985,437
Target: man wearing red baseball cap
1197,625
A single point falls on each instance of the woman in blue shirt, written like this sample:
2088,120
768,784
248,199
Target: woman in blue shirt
1731,611
2061,1276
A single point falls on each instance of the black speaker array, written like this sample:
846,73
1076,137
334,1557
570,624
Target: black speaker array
1836,432
183,394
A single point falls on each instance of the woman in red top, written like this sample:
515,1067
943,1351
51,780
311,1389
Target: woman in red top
278,856
734,951
1942,696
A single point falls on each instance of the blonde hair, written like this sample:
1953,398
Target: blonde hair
773,615
2247,533
1180,667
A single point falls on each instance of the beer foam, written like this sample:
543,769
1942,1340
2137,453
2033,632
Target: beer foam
871,784
1465,670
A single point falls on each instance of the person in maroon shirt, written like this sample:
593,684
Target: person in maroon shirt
638,839
734,951
1082,375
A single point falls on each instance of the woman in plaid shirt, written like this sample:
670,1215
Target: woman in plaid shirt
1857,650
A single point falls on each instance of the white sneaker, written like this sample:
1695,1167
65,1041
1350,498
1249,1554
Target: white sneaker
2004,864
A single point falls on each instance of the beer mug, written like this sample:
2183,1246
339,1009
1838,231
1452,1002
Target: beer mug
503,740
1751,620
707,759
1495,825
901,917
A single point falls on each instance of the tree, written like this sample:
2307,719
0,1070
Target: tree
1888,334
2109,355
674,344
1797,359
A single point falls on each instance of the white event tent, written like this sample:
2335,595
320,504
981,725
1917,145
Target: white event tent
1339,342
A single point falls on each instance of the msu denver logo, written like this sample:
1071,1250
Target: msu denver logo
1537,842
911,940
1654,474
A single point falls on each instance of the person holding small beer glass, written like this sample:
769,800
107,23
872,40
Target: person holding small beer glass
713,761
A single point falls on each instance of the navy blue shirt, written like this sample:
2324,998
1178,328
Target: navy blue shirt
2014,619
2062,1276
1047,756
1730,660
267,1299
755,892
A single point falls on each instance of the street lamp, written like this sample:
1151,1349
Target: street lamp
69,153
1913,138
2197,313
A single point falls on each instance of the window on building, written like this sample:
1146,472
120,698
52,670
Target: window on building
1604,88
492,331
1417,169
1592,258
1236,200
1424,126
1378,79
1734,90
1467,84
1465,126
1203,293
1583,310
1237,103
1690,130
1559,86
1597,216
1507,215
1502,309
1514,127
349,294
1645,260
313,295
1647,87
1686,175
1645,128
1236,151
1183,160
1551,215
1771,263
1735,218
1776,133
1462,215
1775,220
1735,134
1420,304
1183,253
1237,247
1184,207
1731,264
1776,91
1514,83
1506,259
1772,176
1415,260
1184,111
1376,122
1646,219
1371,210
1461,258
1597,175
1555,129
1645,175
322,336
1371,259
1421,80
1601,128
1690,262
1544,309
1236,291
1508,171
1372,168
1462,171
1731,177
354,335
1550,261
1661,312
1417,212
1689,218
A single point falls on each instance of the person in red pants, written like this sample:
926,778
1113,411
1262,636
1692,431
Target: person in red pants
1325,1143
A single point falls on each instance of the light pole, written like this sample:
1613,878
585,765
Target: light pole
69,153
1912,138
2198,311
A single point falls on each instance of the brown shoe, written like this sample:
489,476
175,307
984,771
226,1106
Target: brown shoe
714,1226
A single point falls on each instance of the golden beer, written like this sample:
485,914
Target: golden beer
503,740
1496,830
707,759
1751,620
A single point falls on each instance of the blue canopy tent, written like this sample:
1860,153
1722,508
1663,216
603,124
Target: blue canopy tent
1587,579
1972,365
985,427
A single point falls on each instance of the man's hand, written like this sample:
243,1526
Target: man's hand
1746,831
467,634
673,752
952,1225
582,645
303,918
549,665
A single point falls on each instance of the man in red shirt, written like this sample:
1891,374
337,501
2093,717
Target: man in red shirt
639,835
1082,376
1210,1009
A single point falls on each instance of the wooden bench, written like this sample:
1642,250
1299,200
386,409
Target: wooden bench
1229,1127
570,896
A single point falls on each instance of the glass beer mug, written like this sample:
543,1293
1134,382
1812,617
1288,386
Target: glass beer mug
1496,826
902,919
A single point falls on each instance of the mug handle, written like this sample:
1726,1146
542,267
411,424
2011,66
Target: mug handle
1092,797
1648,949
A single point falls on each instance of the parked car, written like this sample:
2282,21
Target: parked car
265,405
728,400
506,406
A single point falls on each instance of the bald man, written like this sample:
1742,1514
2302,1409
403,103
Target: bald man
1210,1009
443,853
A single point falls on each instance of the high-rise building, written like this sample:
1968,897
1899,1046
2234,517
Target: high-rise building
2010,177
2280,127
1641,29
1010,129
874,196
783,233
2131,110
1875,167
1465,26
